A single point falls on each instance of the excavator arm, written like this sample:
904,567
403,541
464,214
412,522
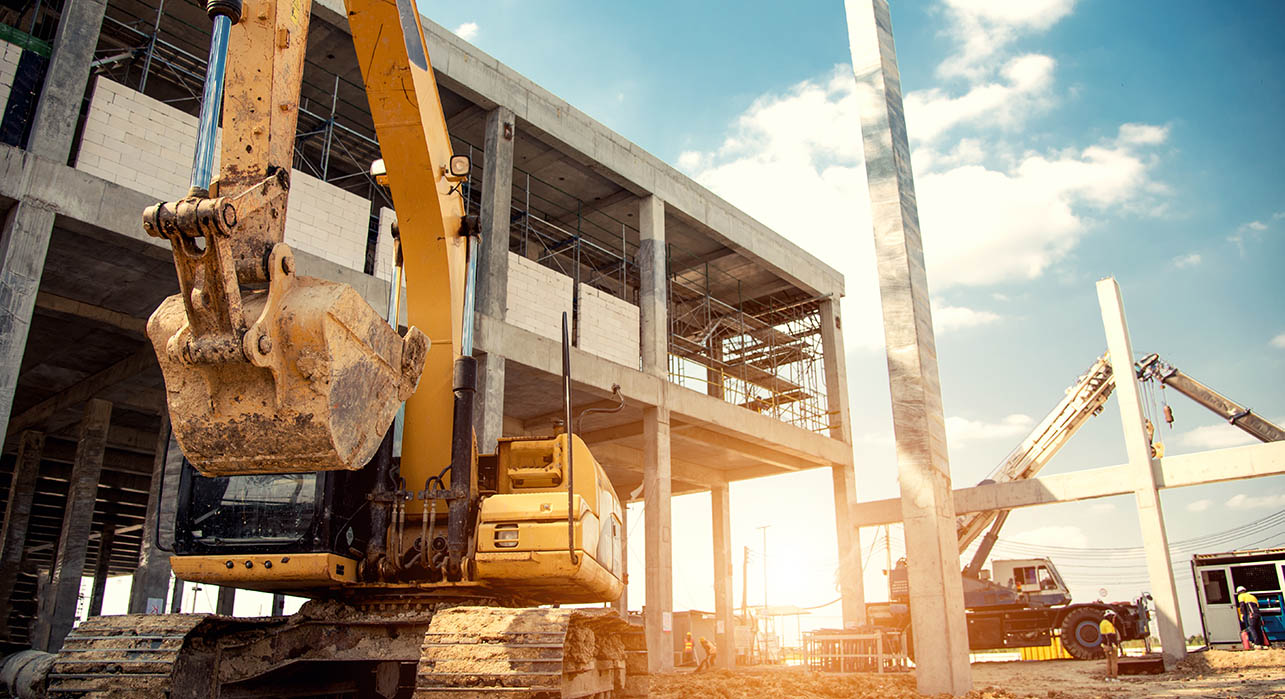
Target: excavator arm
1153,368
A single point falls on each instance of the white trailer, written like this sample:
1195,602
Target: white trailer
1217,575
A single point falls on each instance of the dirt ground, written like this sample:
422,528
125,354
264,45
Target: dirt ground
1215,673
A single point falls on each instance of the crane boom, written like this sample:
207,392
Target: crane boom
1083,400
1153,368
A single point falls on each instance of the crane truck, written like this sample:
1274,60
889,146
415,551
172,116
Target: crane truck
1026,602
424,569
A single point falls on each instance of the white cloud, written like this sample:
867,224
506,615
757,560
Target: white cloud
1278,341
794,161
984,28
1065,535
1143,134
1184,261
467,31
1254,502
1214,437
950,318
1250,230
1025,89
960,431
1199,505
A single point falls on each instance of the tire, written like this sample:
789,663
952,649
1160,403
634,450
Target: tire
1080,635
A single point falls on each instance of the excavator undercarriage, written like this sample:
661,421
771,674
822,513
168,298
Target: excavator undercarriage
333,649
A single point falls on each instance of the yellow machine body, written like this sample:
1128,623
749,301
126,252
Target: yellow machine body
522,552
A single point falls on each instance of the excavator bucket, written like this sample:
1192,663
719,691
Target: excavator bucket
314,387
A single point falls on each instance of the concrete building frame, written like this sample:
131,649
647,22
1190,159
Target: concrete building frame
81,270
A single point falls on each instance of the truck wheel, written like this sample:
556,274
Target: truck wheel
1080,635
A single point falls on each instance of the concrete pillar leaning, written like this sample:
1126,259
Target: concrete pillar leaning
851,576
152,576
17,516
652,296
1146,491
724,621
927,504
73,542
493,269
28,226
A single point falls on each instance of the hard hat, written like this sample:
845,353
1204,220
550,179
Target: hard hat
1240,588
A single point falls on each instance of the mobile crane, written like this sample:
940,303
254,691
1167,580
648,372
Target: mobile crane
1026,602
423,569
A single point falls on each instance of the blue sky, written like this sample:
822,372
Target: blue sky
1055,142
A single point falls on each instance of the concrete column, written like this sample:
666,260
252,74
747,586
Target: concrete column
851,576
24,240
927,504
657,491
152,576
1146,491
278,605
226,602
493,269
724,621
17,515
54,124
39,628
714,377
82,491
106,539
621,604
653,287
176,597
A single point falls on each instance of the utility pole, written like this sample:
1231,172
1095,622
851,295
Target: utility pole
766,617
887,551
745,585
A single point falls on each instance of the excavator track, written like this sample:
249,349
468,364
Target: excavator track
132,656
461,652
489,652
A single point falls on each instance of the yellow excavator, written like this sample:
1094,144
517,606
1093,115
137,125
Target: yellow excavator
425,569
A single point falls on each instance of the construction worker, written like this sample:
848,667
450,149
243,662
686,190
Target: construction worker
711,654
1110,644
1251,619
688,650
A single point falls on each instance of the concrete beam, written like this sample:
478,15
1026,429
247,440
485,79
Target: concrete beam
1178,471
152,576
741,447
17,516
936,597
630,459
724,621
61,304
84,389
1137,443
69,564
659,610
544,354
96,207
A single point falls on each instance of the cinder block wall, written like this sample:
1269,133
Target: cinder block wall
537,297
9,55
608,327
147,145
